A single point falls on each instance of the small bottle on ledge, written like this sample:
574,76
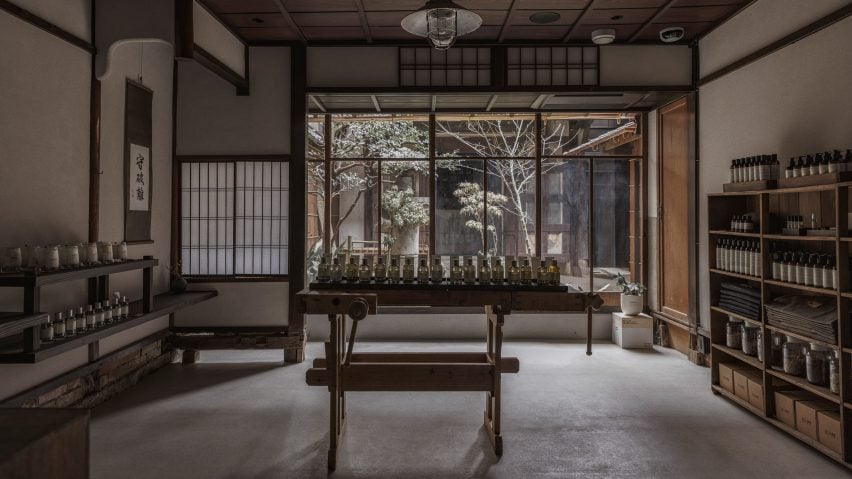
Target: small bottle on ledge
437,271
46,331
498,272
336,272
514,273
484,272
408,271
59,326
99,315
81,320
423,272
90,317
381,270
469,272
393,271
455,272
364,272
542,273
70,324
107,307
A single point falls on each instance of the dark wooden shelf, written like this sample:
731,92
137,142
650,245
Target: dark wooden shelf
163,304
14,323
734,233
803,383
28,278
445,286
733,315
741,276
799,336
800,287
741,356
799,238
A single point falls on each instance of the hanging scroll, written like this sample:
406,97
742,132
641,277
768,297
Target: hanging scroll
138,179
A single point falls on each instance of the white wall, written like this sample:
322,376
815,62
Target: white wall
792,102
212,119
74,16
645,65
44,167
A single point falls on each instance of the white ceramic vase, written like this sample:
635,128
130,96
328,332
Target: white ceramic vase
631,305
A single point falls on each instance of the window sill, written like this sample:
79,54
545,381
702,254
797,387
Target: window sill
236,279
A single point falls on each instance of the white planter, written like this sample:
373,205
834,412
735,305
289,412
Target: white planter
407,242
631,305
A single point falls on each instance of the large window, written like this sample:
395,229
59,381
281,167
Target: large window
553,185
234,219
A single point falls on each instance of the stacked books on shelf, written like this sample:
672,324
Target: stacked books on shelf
740,298
811,316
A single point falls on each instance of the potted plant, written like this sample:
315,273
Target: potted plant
631,296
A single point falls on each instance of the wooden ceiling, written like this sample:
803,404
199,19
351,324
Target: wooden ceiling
378,21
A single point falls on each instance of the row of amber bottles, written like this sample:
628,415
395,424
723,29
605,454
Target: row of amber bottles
466,273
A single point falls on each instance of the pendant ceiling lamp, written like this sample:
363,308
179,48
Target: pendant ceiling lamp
441,21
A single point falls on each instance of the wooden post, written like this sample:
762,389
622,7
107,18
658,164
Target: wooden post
147,288
333,385
32,302
494,318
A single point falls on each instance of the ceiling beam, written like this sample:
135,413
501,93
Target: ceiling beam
290,21
660,12
505,26
363,16
637,101
376,103
491,103
318,103
576,24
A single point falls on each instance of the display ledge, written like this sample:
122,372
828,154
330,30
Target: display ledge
737,354
29,278
780,425
734,315
444,286
163,304
14,323
800,287
744,277
799,336
734,233
803,383
799,238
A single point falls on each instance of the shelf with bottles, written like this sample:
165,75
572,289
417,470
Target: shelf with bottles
802,383
725,312
753,173
737,233
799,287
813,268
731,210
739,258
817,169
800,336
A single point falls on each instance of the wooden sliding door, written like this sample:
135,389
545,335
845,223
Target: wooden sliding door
674,243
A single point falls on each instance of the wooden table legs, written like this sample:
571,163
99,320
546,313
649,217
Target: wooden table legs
494,343
337,399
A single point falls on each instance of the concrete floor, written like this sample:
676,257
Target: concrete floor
617,414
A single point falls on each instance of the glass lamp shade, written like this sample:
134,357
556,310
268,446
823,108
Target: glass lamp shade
441,21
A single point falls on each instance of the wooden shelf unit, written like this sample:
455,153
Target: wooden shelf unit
30,349
829,204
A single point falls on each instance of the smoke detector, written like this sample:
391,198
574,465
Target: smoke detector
603,36
671,34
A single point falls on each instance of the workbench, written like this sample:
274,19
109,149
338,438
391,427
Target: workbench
344,370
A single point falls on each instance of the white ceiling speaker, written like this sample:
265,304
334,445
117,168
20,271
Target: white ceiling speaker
603,36
671,34
441,21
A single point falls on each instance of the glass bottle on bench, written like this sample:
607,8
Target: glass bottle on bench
393,271
352,270
59,326
469,272
455,272
408,271
323,272
514,273
365,273
336,272
70,324
437,271
542,277
423,272
498,272
484,272
46,331
526,272
380,271
553,272
99,315
125,308
90,317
